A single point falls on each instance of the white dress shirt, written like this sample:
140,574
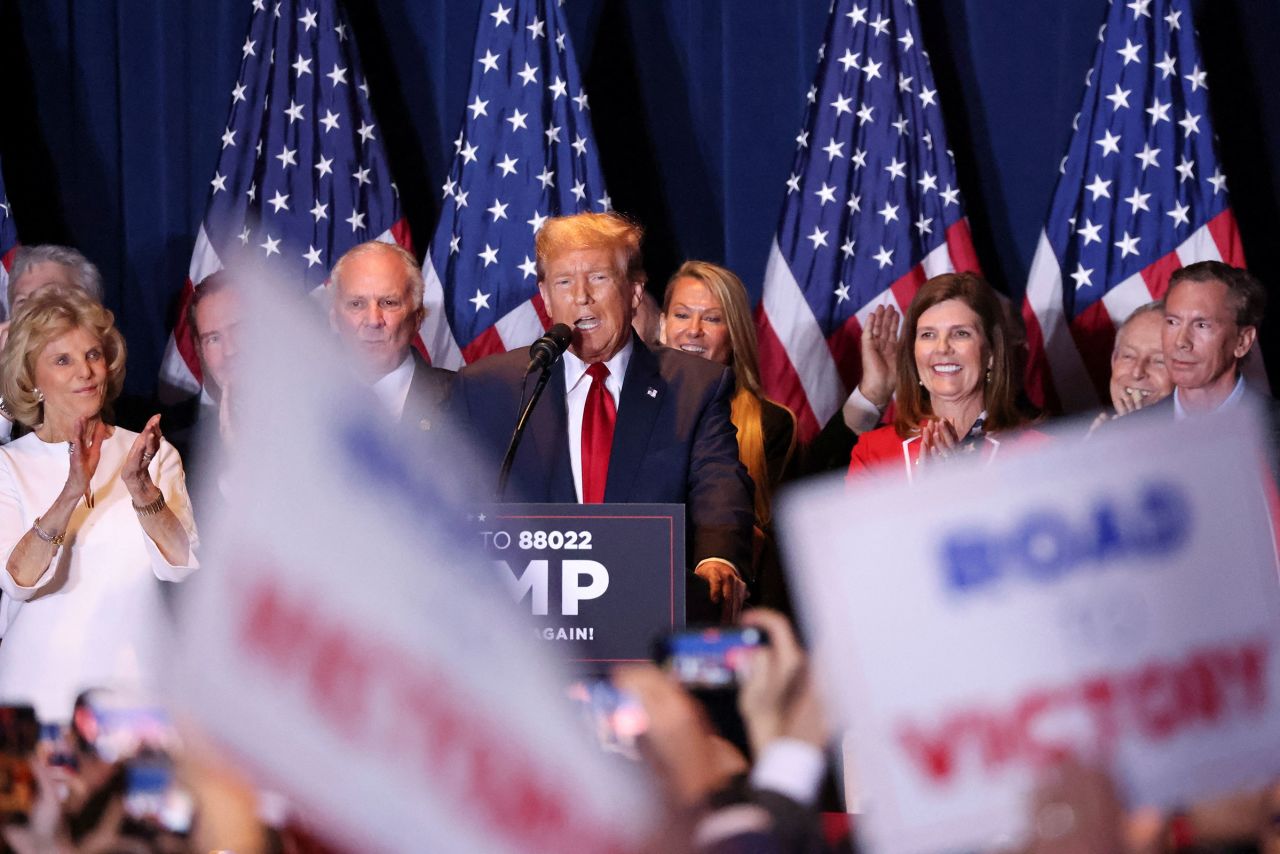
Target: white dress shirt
1232,399
392,390
790,767
577,384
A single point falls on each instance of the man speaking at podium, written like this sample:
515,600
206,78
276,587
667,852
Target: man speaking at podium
620,421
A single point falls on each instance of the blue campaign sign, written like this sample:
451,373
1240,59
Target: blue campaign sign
601,581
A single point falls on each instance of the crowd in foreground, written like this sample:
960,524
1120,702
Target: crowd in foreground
650,403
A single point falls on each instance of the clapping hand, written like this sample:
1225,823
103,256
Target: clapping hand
135,474
938,440
85,449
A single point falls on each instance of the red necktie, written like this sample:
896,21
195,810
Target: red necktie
597,435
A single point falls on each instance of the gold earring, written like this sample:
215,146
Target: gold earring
39,395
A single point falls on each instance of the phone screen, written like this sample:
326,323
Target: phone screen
141,736
709,659
153,797
616,717
118,728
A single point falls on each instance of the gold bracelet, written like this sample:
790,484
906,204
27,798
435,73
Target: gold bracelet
150,509
46,536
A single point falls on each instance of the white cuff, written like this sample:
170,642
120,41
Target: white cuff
731,821
860,414
790,767
160,566
727,563
15,591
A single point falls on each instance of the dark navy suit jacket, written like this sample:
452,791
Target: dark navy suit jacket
428,394
673,442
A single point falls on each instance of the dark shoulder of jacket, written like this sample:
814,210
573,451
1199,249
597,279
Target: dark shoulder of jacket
778,420
690,368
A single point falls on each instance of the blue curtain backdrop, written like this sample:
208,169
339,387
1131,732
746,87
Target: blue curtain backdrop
114,108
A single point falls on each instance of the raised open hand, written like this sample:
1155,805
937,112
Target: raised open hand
879,347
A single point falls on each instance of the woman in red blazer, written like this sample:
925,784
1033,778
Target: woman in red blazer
956,385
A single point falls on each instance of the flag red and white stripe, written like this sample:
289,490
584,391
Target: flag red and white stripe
872,208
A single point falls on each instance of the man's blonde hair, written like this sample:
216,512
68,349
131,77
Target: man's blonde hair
610,231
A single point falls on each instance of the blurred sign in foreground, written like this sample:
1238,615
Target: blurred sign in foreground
352,653
1115,601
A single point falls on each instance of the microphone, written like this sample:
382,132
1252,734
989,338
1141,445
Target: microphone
546,351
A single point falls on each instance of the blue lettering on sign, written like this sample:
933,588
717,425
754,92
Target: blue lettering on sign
1045,544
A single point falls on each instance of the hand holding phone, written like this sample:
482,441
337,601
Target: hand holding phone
710,659
779,698
615,716
141,737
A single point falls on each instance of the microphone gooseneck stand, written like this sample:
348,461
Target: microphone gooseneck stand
510,458
545,353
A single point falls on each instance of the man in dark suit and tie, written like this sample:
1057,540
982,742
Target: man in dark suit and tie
620,421
376,310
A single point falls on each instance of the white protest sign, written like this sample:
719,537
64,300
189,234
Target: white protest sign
1114,600
347,649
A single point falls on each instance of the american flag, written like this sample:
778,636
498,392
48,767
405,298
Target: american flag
8,247
525,153
303,175
872,207
1140,194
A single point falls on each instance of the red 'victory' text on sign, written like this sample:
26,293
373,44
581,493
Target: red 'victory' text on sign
1085,719
384,702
